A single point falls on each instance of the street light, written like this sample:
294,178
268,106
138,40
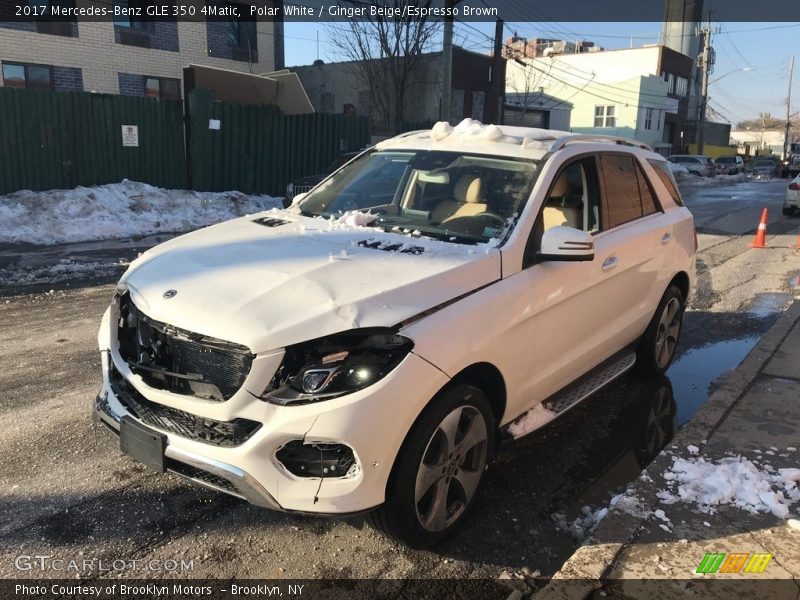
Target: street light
742,70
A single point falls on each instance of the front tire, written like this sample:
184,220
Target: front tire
788,211
657,346
439,469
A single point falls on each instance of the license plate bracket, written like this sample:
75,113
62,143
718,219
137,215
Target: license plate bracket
142,443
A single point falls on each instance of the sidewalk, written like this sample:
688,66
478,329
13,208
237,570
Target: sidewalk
755,413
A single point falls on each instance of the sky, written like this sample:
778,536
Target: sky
739,94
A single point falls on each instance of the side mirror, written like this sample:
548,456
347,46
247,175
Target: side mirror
566,243
299,197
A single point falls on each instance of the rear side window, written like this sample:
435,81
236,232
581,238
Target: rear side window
627,194
665,175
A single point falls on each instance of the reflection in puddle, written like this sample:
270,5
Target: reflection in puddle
693,373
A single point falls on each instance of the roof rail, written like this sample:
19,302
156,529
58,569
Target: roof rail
563,141
406,134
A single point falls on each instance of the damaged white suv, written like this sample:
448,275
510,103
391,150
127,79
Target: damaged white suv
366,348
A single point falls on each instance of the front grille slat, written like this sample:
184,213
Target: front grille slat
217,369
226,434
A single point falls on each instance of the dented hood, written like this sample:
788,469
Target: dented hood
271,286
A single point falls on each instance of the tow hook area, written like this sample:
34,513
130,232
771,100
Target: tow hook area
317,460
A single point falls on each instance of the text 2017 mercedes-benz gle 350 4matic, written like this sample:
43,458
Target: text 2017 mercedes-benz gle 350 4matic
365,349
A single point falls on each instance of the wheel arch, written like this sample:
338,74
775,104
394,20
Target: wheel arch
681,279
489,379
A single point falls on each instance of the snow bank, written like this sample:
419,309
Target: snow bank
584,525
64,270
732,480
117,210
676,169
689,180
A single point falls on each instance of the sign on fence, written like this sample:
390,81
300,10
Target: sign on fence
130,136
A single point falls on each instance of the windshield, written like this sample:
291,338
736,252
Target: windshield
726,159
764,163
463,198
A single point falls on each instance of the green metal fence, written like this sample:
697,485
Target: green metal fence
60,140
257,149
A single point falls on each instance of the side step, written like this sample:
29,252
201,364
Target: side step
576,392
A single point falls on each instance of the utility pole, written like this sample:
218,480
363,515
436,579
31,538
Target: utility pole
496,99
788,112
707,60
447,61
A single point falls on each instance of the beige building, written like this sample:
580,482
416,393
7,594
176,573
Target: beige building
132,56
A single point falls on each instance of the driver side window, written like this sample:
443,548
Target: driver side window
573,200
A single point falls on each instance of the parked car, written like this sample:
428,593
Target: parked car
305,362
791,164
695,164
791,203
302,185
730,165
766,167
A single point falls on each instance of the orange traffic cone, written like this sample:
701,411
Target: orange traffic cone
761,234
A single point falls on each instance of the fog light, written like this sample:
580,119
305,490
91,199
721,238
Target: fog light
316,460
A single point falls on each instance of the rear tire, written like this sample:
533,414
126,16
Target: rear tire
438,470
788,211
657,346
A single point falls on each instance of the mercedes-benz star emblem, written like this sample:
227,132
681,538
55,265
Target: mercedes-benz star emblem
170,294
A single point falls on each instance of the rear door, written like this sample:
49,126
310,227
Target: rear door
629,251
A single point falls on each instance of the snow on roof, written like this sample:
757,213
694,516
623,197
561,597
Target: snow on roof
474,136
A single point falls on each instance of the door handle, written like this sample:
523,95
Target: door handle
609,263
666,238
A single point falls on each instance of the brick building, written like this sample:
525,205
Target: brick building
132,56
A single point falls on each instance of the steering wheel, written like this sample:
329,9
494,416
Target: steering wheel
500,219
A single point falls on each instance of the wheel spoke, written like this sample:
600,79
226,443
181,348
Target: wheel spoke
475,434
468,480
427,475
449,427
436,519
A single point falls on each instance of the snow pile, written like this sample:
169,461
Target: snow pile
117,210
677,169
351,219
468,129
584,525
536,417
733,480
689,180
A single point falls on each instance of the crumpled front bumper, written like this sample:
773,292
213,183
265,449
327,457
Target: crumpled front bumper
372,422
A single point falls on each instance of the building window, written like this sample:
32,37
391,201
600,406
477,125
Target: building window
240,31
32,77
133,16
681,86
604,116
648,118
66,26
162,87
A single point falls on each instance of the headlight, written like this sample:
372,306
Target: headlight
336,365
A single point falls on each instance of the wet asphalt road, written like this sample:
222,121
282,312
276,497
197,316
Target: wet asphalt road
67,491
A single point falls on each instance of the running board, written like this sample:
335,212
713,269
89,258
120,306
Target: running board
576,392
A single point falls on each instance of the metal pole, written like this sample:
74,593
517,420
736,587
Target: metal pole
494,114
788,112
701,134
447,62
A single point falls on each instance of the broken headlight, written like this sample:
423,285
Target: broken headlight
336,365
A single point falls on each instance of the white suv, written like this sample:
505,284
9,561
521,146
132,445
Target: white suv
367,348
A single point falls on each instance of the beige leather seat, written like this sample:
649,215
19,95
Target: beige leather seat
468,193
557,211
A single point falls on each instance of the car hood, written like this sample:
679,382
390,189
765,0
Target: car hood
269,286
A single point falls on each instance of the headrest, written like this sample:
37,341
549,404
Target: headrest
562,187
469,189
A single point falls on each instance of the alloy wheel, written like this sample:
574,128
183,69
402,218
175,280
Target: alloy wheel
669,327
451,468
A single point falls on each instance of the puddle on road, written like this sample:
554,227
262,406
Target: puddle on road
769,303
693,373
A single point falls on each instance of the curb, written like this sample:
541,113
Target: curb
584,571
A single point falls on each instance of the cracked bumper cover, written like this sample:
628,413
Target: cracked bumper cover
373,422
